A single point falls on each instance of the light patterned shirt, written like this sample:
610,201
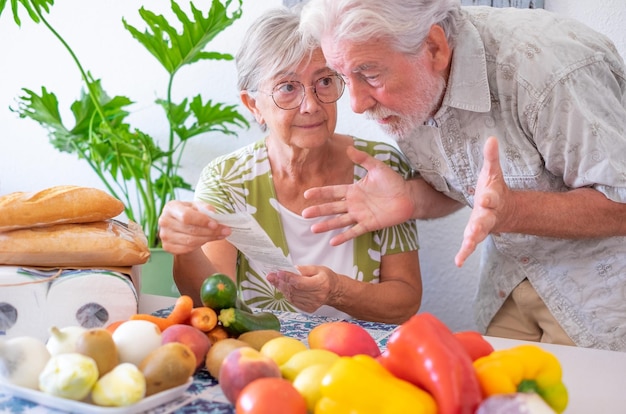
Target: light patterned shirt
242,182
554,94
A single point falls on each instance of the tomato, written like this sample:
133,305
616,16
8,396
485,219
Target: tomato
270,395
218,291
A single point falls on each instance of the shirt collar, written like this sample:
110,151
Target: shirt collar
468,86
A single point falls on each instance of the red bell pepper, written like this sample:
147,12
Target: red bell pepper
424,352
474,343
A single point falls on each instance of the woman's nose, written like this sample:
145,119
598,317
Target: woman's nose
309,101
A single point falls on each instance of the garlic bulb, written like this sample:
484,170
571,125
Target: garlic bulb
22,359
63,340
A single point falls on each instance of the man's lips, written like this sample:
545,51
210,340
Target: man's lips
385,120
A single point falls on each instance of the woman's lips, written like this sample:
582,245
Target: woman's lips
309,126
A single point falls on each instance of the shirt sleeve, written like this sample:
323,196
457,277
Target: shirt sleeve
581,128
211,187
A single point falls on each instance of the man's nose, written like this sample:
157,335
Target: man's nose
360,98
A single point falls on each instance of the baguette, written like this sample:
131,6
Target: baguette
99,244
56,205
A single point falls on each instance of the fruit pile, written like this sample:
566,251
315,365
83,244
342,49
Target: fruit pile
425,368
126,361
110,369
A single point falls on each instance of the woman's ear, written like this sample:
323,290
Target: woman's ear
250,102
438,48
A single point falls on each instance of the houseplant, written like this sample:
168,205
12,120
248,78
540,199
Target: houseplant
135,167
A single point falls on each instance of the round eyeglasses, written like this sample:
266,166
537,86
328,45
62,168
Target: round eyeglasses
290,95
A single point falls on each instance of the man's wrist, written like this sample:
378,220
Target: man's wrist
411,174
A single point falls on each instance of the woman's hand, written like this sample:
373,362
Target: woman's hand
183,227
308,290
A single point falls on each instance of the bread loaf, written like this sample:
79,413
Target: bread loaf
55,205
99,244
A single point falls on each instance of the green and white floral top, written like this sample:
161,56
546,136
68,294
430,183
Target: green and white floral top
242,182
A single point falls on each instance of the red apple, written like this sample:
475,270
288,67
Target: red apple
242,366
195,339
343,338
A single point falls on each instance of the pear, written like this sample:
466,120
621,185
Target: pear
122,386
69,375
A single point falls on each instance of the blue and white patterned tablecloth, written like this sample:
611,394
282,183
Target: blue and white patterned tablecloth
204,394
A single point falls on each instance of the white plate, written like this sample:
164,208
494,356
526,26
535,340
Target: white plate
86,408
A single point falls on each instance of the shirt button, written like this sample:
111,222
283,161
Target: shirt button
502,294
525,260
470,190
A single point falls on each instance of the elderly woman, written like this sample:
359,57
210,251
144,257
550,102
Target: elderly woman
292,94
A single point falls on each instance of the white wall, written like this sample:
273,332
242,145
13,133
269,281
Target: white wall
30,58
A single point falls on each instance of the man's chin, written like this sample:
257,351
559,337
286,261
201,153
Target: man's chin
394,130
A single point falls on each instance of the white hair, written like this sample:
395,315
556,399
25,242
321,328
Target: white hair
272,44
405,23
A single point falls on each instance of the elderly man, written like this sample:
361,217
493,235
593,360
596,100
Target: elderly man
519,114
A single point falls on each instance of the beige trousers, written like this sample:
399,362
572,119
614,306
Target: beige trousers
525,316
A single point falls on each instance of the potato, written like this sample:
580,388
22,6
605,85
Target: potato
168,366
256,339
218,352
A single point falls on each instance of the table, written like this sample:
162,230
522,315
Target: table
595,378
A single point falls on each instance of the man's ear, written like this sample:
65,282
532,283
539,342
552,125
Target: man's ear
250,102
438,48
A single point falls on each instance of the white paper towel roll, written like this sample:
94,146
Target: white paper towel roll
90,298
22,303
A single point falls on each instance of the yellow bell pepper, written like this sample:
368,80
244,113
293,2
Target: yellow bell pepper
361,385
525,368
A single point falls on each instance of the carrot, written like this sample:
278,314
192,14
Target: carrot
203,318
113,325
217,334
179,314
181,311
162,323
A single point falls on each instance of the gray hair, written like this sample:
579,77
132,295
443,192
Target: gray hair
405,23
272,44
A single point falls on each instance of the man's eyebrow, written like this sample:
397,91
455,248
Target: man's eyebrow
364,67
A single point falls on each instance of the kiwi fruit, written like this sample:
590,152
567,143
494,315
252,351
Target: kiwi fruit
168,366
98,344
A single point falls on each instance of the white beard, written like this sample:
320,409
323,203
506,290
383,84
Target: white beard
420,107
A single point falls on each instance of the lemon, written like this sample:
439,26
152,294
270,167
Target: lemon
282,348
299,361
308,383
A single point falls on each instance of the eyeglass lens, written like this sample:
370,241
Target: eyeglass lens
289,95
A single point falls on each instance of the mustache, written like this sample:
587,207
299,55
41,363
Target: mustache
380,112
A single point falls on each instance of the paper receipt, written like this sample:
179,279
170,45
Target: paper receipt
250,238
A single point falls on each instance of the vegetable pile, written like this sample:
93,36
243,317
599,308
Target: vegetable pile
126,361
425,368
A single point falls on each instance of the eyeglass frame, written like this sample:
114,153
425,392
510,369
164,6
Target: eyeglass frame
304,88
